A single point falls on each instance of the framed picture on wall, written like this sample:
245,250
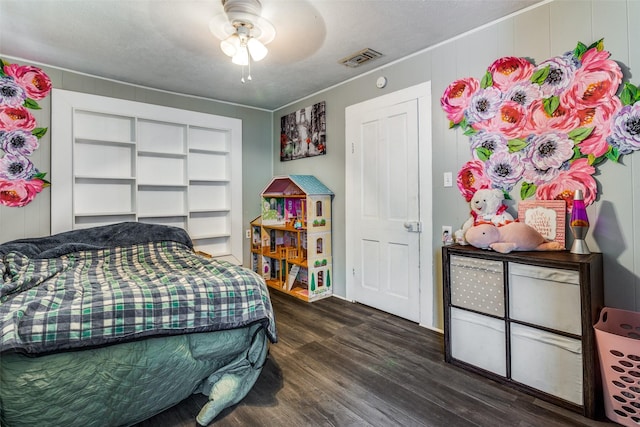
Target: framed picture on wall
303,133
549,217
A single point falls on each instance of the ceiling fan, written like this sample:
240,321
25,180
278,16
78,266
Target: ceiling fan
246,27
243,32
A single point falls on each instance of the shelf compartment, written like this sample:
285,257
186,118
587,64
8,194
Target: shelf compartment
548,362
205,195
102,141
104,159
215,246
210,223
477,284
161,170
161,200
99,195
162,137
208,166
559,288
103,126
175,221
206,139
97,220
478,340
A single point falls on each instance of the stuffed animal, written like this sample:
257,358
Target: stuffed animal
514,236
487,206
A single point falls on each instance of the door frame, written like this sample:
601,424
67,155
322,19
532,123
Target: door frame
427,284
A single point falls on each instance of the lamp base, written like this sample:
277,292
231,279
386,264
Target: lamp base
580,247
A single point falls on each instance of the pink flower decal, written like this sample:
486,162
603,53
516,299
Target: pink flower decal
13,118
563,119
579,176
456,98
19,193
472,178
20,87
597,80
510,70
545,126
34,81
509,121
599,119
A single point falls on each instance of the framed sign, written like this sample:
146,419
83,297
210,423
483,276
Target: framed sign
549,217
303,133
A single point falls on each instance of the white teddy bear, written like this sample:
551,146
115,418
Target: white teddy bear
486,207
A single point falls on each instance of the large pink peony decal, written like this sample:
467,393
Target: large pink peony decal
21,87
547,127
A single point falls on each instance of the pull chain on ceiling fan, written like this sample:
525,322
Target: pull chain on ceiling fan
243,32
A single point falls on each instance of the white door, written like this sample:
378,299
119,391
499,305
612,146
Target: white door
383,206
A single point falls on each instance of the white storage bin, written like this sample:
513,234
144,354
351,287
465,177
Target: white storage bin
548,362
478,340
545,296
477,284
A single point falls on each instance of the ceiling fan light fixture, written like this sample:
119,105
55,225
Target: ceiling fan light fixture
257,50
230,45
243,32
241,57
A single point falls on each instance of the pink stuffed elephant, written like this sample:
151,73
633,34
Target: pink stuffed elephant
515,236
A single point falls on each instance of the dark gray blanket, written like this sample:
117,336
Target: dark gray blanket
108,236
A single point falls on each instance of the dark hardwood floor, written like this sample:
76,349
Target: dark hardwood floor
343,364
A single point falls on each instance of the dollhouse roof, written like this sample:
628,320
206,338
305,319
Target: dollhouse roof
297,184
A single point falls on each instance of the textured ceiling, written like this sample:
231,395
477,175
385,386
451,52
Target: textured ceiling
166,44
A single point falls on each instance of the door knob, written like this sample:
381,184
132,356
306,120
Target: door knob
413,227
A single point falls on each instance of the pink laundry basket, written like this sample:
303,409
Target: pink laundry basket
618,340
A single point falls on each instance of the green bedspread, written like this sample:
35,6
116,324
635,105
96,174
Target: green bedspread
127,383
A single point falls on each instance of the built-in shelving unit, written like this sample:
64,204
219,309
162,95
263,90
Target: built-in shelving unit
116,160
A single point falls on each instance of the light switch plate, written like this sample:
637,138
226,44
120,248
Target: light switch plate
448,179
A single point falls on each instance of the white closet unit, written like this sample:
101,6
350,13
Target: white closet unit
115,160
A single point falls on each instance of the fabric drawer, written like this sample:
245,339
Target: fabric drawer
477,284
545,296
478,340
548,362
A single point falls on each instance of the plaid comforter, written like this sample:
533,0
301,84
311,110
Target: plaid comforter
109,295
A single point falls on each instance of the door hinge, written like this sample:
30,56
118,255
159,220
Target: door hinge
353,148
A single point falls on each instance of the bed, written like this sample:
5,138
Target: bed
111,325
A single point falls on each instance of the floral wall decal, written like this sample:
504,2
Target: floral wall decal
21,86
546,126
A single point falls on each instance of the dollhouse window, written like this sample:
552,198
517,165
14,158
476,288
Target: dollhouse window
319,245
319,208
320,278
